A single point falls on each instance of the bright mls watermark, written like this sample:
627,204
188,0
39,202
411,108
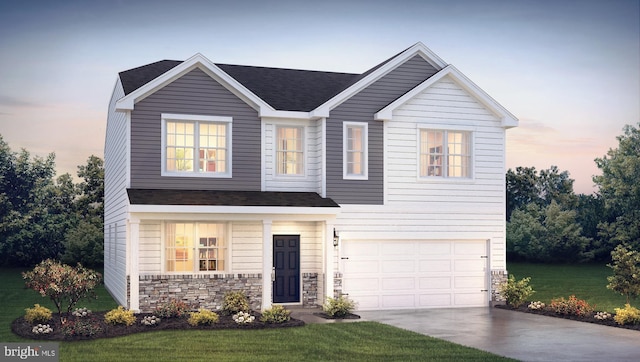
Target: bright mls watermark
29,352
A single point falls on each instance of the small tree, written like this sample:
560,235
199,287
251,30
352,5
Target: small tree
63,284
515,291
626,272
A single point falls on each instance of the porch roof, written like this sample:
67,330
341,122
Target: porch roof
228,198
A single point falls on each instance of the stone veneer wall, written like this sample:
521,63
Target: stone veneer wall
337,284
309,289
198,291
497,277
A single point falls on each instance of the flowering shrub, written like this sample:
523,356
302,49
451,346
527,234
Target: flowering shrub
120,316
275,314
63,284
86,327
81,312
339,307
203,317
516,292
235,302
602,316
627,315
571,306
172,309
536,305
37,314
243,318
42,329
150,320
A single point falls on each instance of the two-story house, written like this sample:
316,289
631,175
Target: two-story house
296,185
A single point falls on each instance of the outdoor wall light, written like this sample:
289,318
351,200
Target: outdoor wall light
336,238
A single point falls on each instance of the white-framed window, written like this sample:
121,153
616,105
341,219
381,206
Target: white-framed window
289,150
195,145
192,247
445,153
355,150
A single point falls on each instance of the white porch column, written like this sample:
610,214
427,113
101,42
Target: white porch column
134,267
267,264
329,256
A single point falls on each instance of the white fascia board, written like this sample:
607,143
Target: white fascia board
508,119
196,61
417,49
234,210
271,113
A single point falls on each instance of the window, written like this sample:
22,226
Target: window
355,155
289,151
445,153
195,247
196,145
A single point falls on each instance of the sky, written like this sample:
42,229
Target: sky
569,70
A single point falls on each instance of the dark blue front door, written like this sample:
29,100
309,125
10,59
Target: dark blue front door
286,262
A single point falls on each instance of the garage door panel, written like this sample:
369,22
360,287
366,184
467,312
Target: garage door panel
415,274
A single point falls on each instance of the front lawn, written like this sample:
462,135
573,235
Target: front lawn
585,281
357,341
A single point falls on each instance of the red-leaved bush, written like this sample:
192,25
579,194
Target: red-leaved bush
571,306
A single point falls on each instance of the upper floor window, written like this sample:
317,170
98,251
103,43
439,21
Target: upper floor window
289,150
355,156
196,145
445,153
195,247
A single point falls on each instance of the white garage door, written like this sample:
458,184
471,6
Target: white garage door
415,274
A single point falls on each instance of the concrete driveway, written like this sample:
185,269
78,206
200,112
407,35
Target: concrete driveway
523,336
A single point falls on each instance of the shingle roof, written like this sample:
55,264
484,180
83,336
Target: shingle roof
283,89
227,198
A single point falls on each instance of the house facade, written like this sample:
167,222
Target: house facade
386,186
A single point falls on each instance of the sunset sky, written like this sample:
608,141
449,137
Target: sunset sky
569,70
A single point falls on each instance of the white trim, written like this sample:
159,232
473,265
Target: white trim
508,119
305,152
127,147
323,161
445,178
239,212
166,117
365,156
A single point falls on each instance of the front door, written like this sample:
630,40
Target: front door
286,263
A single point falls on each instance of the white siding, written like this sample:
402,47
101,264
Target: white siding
310,243
310,182
115,199
246,246
443,209
150,247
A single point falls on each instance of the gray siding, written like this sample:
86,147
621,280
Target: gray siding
194,93
361,108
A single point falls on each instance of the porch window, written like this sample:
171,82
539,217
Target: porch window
196,145
355,155
195,247
445,153
289,150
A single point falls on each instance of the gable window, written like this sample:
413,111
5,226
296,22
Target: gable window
355,156
289,150
195,247
196,145
445,153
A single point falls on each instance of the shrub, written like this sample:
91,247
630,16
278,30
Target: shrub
243,318
276,314
37,314
235,302
42,329
120,316
627,315
516,292
571,306
150,320
63,284
536,305
203,317
339,307
626,272
172,309
86,327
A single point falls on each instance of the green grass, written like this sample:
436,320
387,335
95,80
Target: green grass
358,341
585,281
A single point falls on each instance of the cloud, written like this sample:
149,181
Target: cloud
8,101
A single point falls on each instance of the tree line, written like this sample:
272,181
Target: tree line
548,222
42,217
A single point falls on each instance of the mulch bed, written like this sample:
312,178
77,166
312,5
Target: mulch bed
103,330
326,316
588,318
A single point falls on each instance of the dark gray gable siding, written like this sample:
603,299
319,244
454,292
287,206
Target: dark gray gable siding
361,108
194,93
